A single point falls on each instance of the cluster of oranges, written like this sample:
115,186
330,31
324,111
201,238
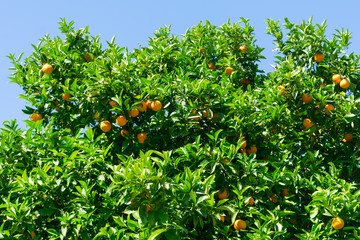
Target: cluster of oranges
229,70
106,125
121,120
239,224
307,98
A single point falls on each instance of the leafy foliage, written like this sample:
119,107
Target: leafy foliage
217,130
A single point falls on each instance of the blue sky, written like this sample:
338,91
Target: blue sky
24,22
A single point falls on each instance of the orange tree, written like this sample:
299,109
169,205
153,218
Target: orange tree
186,138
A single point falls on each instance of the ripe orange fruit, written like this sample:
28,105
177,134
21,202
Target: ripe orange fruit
229,71
281,89
202,50
36,117
105,126
88,57
216,116
142,137
347,137
244,82
323,85
156,105
56,102
239,225
223,194
194,112
285,192
306,98
206,113
47,68
121,121
66,96
96,115
308,123
336,78
113,103
243,49
344,83
328,108
251,150
273,198
211,66
33,234
148,103
143,106
134,113
124,132
222,218
319,57
337,223
251,201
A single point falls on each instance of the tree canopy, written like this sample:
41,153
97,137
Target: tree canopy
186,138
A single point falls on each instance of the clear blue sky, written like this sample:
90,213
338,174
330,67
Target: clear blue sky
24,22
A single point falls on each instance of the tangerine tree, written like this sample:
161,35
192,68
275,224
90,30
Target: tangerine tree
186,138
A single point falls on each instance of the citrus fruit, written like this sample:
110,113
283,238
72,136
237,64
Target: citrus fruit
113,103
281,89
36,117
323,85
239,225
156,105
273,198
216,116
194,112
206,113
201,50
124,132
328,108
66,96
134,113
223,194
306,98
251,150
319,57
344,83
121,121
337,223
243,146
211,66
33,234
347,137
96,115
142,137
89,56
47,68
243,49
143,106
222,218
105,126
148,103
308,123
244,82
285,192
251,201
229,70
336,78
